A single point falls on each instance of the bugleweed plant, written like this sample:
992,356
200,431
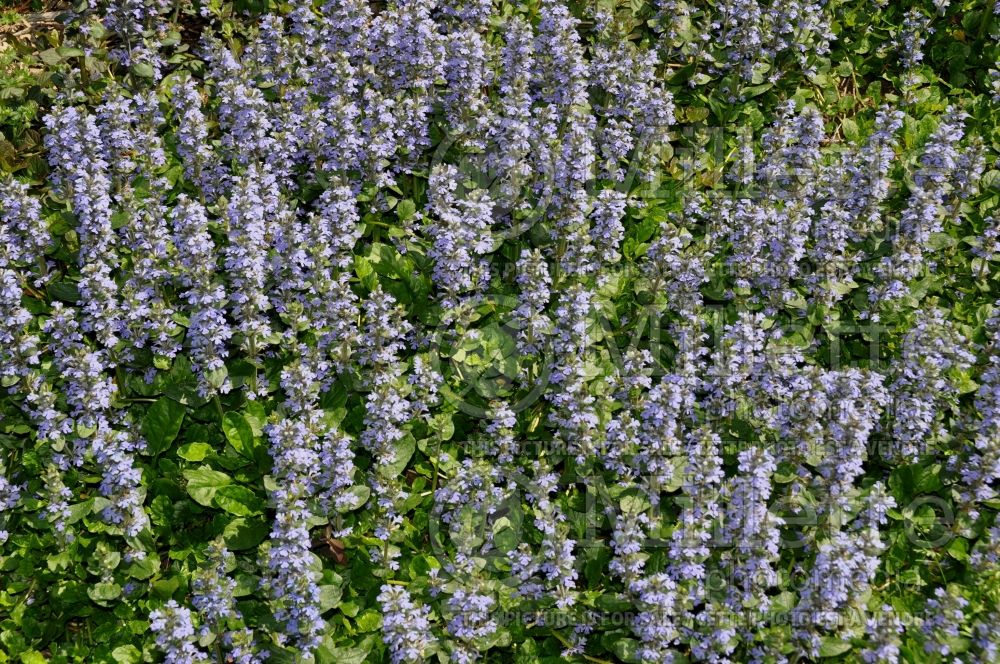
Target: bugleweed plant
465,330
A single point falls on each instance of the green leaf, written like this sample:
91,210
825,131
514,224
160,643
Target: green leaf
246,585
349,609
506,540
161,510
443,426
203,483
626,650
387,261
194,451
402,451
329,597
406,209
256,417
33,657
78,511
217,377
126,655
831,646
633,504
908,481
239,433
144,568
64,292
143,69
104,591
280,655
242,533
164,588
360,494
369,621
850,129
60,560
346,655
238,500
755,90
50,57
695,114
366,273
959,549
161,424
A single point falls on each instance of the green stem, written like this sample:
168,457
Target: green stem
437,460
984,25
252,348
597,660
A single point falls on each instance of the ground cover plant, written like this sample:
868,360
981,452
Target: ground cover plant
466,330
